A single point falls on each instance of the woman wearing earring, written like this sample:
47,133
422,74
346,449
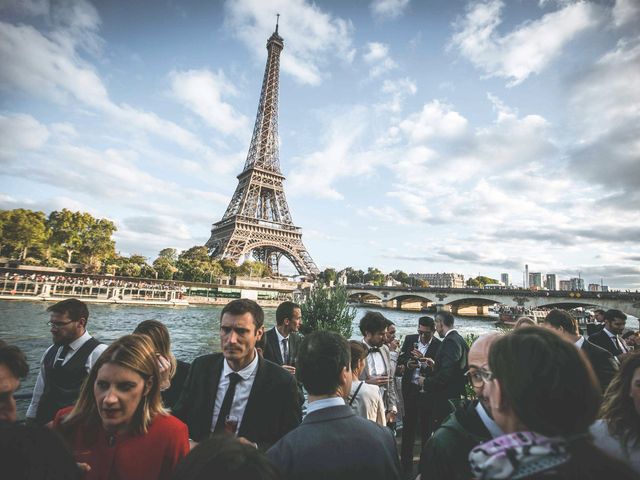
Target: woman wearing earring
544,395
119,428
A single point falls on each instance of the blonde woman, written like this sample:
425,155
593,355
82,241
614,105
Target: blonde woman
173,372
119,428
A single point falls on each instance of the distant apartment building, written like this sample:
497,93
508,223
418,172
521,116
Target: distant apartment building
535,280
565,285
441,280
577,284
504,278
604,288
551,282
594,287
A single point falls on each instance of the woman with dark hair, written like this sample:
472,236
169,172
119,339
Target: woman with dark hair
544,395
223,457
618,430
118,428
173,372
364,399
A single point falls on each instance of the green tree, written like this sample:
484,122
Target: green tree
375,276
480,281
166,268
229,267
354,276
400,276
328,309
97,244
328,275
251,268
22,229
170,254
67,228
195,265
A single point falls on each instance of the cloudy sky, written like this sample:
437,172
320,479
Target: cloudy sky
429,136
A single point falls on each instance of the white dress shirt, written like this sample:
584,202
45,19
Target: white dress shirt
488,422
280,339
74,347
423,347
617,341
243,389
579,342
325,403
375,362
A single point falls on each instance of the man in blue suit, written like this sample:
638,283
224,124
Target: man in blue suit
332,442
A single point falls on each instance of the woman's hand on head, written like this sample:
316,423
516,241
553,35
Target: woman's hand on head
164,366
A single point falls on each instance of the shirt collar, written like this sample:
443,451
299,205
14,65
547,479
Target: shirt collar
280,337
246,372
612,335
78,342
488,422
579,342
325,403
452,330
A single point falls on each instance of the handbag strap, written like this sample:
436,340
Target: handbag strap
355,394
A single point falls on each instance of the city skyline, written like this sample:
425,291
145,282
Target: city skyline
439,137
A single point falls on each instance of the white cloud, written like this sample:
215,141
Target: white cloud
625,12
311,36
201,91
19,132
377,56
398,90
526,50
435,120
388,8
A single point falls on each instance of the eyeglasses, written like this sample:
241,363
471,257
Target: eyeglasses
478,377
422,332
58,324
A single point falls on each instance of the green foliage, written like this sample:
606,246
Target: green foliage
253,269
480,281
170,254
401,276
22,229
195,265
328,309
375,276
328,275
354,276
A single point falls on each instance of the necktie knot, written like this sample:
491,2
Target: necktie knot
374,349
234,378
62,355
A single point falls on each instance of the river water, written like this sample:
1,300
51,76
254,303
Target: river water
194,329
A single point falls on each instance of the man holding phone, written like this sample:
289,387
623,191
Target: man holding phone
417,408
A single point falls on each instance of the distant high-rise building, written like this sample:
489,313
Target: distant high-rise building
526,276
577,284
551,282
504,278
535,280
604,288
565,285
442,280
594,287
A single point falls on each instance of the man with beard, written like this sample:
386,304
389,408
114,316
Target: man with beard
445,456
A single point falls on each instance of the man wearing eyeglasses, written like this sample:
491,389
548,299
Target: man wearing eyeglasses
445,456
66,363
417,412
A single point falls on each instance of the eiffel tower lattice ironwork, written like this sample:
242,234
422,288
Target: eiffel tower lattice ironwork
258,219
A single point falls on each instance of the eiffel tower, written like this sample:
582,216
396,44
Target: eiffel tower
258,219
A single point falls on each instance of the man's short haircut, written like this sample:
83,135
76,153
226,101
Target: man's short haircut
599,310
285,310
561,318
14,359
427,322
240,306
372,322
628,334
612,314
321,359
74,308
388,323
446,318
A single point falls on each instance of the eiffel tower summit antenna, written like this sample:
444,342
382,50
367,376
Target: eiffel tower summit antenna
257,220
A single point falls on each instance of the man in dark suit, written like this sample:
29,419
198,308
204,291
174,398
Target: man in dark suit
609,337
603,363
332,442
283,341
447,383
417,408
238,391
598,324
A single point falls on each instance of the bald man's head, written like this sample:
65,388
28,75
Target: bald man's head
479,351
479,359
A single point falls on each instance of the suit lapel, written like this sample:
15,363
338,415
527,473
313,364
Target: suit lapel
253,401
214,374
273,339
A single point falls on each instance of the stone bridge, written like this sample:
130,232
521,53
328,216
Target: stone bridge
455,299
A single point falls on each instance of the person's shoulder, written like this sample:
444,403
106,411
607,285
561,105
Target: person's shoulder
275,372
61,415
169,423
595,350
206,359
368,390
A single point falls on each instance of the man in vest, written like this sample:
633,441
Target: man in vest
66,363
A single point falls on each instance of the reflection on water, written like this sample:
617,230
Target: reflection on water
194,330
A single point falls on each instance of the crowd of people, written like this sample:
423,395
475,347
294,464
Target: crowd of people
541,401
89,281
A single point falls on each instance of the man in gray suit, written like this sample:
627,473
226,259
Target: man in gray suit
332,442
